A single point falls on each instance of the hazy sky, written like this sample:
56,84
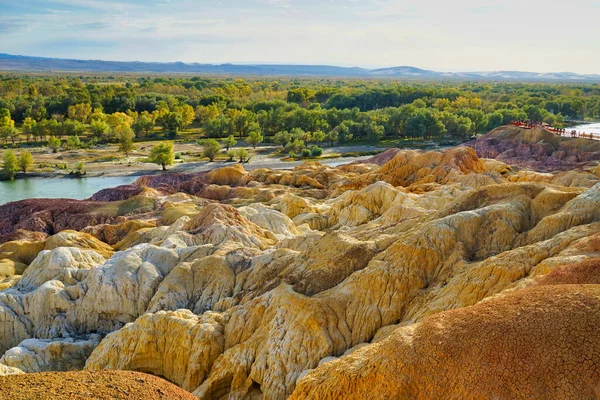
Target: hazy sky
456,35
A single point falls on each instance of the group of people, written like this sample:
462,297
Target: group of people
560,131
529,124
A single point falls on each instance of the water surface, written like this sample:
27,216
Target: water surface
586,128
71,188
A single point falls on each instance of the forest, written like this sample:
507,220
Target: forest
290,112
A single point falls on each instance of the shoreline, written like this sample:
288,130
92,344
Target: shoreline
187,167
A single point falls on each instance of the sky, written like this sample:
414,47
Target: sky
457,35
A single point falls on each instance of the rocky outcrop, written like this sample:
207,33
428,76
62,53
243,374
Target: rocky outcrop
274,275
534,343
36,355
536,148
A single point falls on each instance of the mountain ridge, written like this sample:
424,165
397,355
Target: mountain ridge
9,62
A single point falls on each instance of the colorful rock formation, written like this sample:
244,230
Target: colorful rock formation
359,281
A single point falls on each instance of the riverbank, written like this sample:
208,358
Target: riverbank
102,175
109,163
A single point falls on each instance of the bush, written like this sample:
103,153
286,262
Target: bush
162,154
54,144
25,161
305,153
316,151
79,170
242,154
178,156
72,142
295,146
230,155
91,143
10,166
210,148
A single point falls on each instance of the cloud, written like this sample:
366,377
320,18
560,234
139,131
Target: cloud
90,26
12,25
458,35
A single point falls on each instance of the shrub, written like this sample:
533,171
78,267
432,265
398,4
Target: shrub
210,148
229,142
25,161
242,154
230,155
316,151
255,137
54,144
10,166
305,153
91,143
295,146
72,142
79,170
162,154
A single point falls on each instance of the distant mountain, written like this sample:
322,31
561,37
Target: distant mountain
404,71
10,62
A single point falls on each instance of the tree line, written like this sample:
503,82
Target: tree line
289,112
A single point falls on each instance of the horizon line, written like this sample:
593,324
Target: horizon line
268,63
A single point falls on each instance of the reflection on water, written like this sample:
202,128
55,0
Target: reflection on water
71,188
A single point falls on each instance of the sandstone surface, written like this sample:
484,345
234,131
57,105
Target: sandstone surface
383,280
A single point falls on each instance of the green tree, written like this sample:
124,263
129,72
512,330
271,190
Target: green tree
10,165
187,115
172,123
332,136
218,127
229,141
210,148
80,169
72,127
7,128
495,120
282,138
534,113
343,132
318,136
374,132
99,129
242,154
80,112
255,137
294,146
25,161
316,151
162,154
144,123
204,113
73,142
54,144
28,127
125,135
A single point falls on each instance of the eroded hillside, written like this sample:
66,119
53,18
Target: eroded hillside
364,280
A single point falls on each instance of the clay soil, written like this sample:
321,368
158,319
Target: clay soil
87,385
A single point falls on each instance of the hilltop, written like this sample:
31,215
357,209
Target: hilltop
536,148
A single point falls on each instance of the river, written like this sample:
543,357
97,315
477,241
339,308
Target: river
72,188
586,128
